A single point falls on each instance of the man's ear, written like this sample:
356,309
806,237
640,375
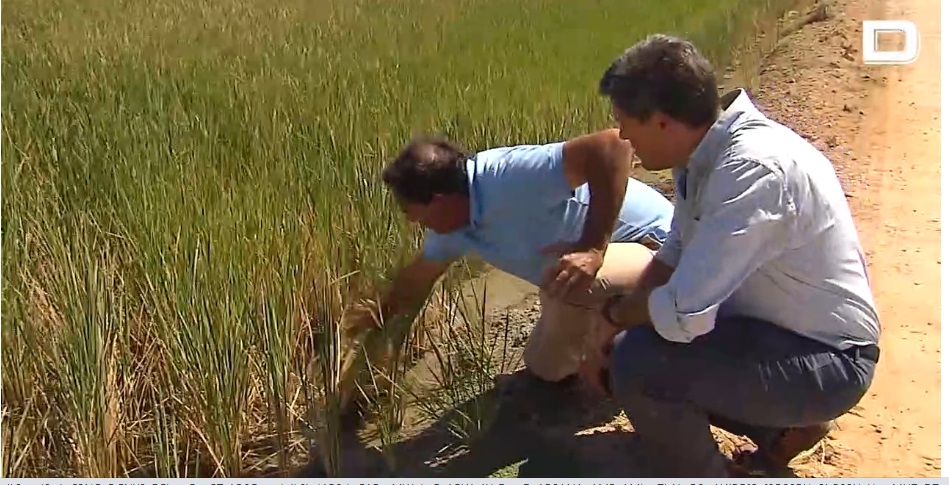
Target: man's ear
664,121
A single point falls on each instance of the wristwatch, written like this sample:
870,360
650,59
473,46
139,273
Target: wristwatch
607,308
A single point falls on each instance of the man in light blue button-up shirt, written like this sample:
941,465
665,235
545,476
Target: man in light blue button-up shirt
566,216
756,314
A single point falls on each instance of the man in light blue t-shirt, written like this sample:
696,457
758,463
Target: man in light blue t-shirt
565,216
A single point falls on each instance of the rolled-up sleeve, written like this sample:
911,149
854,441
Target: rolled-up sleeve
439,247
746,211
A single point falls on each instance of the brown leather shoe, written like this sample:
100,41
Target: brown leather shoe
791,443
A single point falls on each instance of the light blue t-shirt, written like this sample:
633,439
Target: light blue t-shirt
521,202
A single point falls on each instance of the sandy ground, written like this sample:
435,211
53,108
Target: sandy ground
880,127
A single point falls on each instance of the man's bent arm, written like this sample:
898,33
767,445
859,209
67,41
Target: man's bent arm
603,160
748,212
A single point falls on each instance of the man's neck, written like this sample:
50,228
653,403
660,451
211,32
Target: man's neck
692,139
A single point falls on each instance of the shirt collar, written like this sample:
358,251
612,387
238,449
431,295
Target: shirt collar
735,104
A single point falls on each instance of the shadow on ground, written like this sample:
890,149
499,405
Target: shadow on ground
525,440
539,439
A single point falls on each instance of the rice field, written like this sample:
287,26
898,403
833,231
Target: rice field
191,198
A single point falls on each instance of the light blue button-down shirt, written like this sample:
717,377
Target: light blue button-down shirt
521,203
762,229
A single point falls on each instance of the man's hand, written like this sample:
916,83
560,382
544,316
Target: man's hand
361,317
574,272
364,321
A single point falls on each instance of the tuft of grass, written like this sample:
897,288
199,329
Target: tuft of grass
468,354
192,202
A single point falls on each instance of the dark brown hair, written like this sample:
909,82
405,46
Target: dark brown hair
666,74
426,167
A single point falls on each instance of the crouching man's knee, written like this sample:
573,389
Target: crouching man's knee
546,366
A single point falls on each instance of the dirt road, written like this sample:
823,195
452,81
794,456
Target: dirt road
881,127
897,431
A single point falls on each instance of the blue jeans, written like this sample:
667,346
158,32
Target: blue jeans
746,376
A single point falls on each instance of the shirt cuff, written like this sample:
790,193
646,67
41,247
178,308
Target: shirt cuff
675,326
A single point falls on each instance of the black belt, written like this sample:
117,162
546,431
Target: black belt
870,352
